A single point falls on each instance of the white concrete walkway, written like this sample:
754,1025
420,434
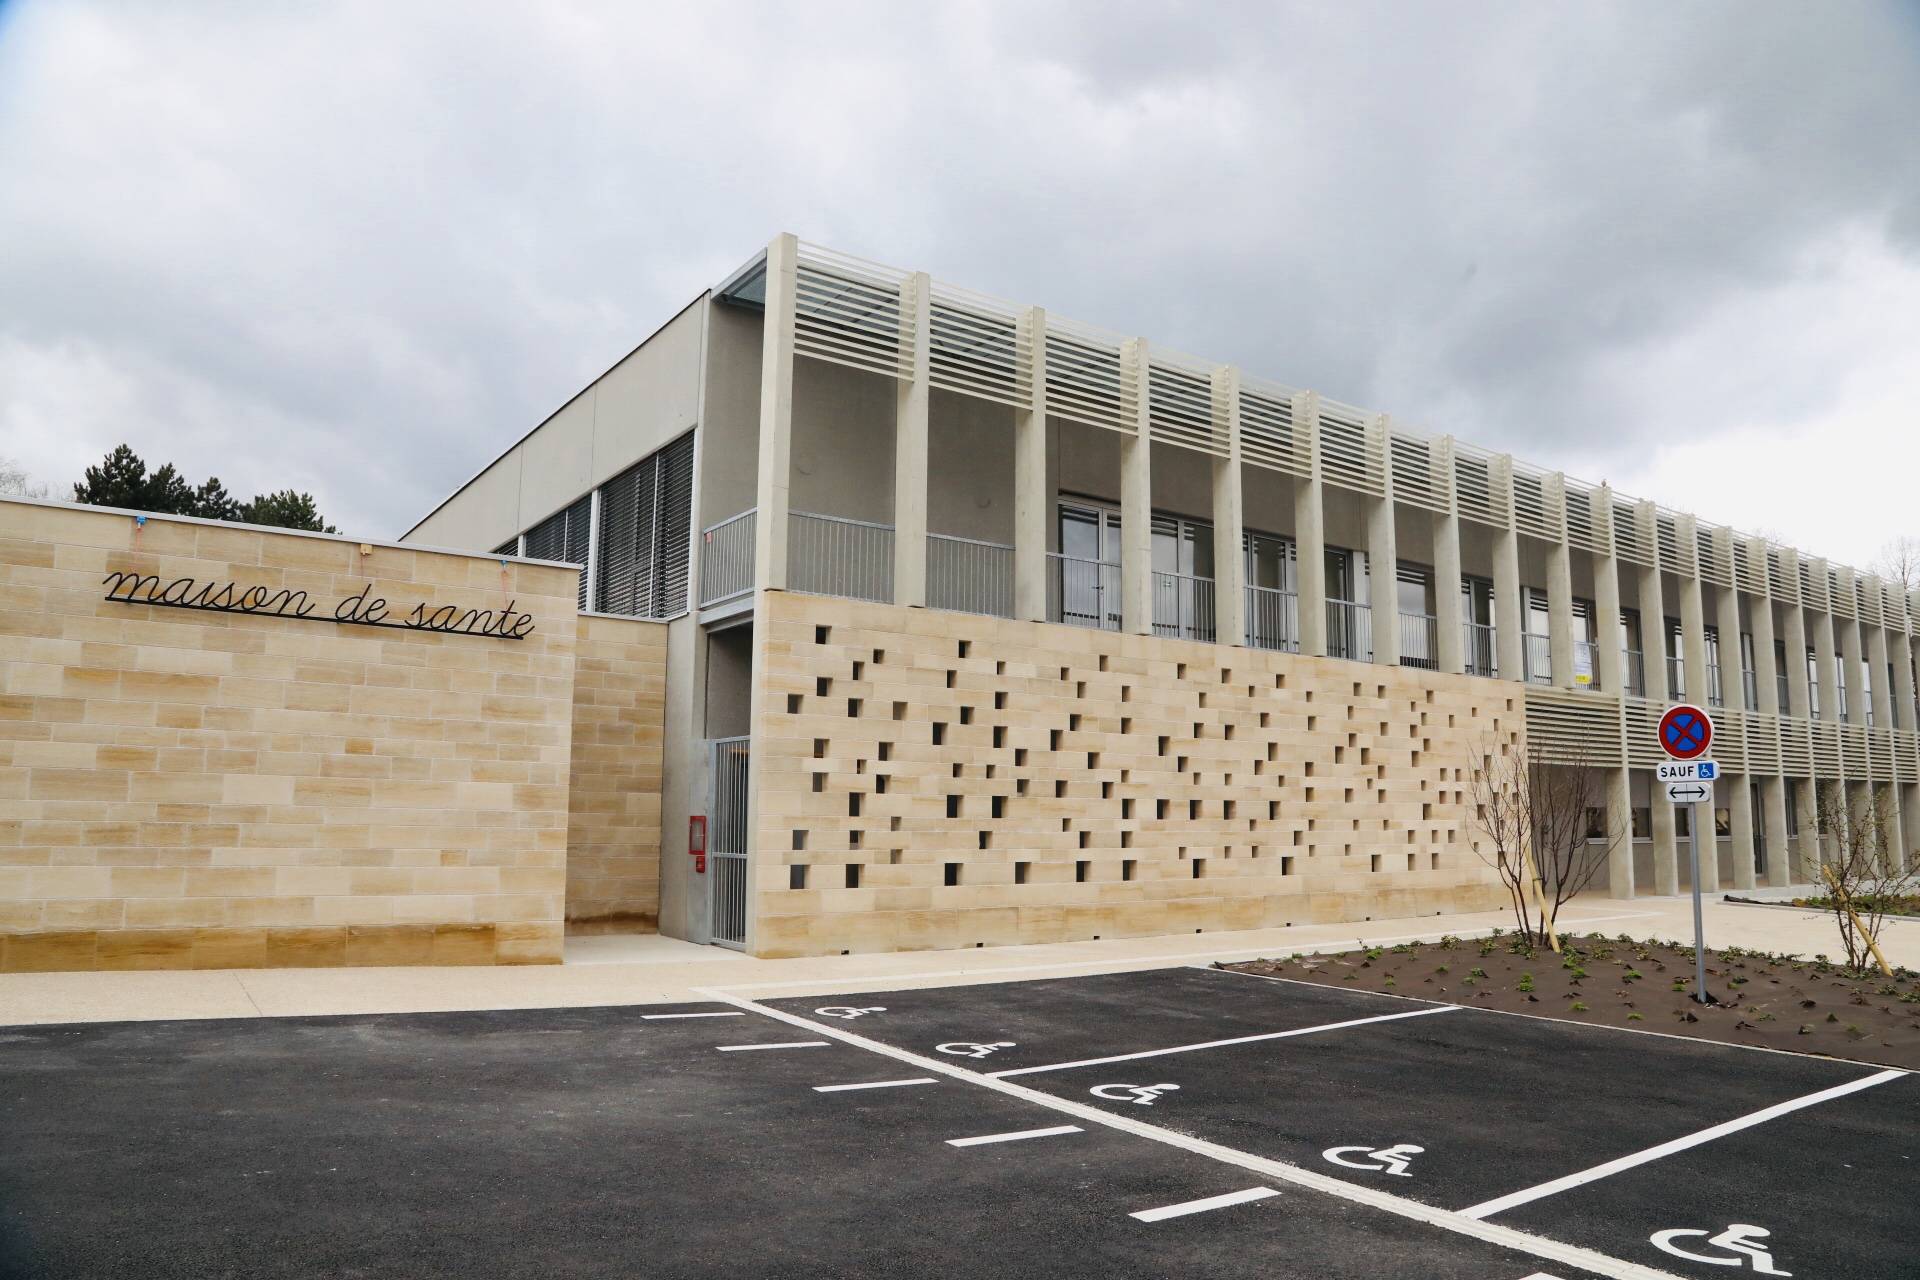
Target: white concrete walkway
606,970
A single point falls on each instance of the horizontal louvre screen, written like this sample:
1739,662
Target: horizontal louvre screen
646,515
563,536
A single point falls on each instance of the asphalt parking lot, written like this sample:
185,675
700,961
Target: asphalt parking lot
1012,1129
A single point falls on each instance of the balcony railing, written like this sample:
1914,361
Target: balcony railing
726,559
1183,606
1349,630
1481,653
968,576
1419,641
1273,619
1536,653
1750,688
1083,593
1676,679
835,556
1636,672
1586,658
1716,695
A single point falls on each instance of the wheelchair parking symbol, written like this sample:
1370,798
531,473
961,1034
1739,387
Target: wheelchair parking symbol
1741,1240
1139,1094
1392,1160
974,1049
849,1011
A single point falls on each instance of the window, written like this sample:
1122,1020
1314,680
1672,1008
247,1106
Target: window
646,531
1596,823
1793,807
1723,822
563,536
511,547
1643,824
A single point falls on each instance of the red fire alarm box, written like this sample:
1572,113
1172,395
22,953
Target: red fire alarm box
697,841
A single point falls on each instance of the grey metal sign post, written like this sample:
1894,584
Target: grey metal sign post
1685,733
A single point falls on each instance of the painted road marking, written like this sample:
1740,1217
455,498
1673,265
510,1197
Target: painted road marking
1501,1204
1389,1159
1221,1044
1573,1255
873,1084
1742,1240
973,1048
789,1044
657,1017
1020,1136
1201,1206
1139,1094
849,1010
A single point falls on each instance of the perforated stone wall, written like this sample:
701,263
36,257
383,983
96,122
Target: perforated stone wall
929,779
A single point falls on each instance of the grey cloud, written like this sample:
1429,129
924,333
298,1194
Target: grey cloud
380,242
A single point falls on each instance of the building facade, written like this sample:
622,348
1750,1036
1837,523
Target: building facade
990,626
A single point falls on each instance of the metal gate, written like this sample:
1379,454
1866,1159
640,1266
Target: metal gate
729,841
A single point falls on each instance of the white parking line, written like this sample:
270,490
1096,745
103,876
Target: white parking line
1220,1044
658,1017
1020,1136
789,1044
1488,1208
873,1084
1201,1206
1552,1250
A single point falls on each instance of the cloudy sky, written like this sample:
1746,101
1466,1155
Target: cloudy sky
360,248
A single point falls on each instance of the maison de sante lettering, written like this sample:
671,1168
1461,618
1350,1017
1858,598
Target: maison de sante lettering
853,611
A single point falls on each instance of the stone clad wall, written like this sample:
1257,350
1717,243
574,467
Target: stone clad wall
190,789
1078,784
613,824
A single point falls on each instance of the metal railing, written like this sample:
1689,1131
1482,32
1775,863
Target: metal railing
1183,606
968,576
1536,656
1349,630
1750,688
835,556
1481,653
727,841
1273,619
1716,695
726,559
1586,657
1676,679
1419,642
1636,672
1083,593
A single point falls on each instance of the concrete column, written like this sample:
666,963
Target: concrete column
1609,664
1449,618
1726,611
1766,672
593,553
1793,617
1877,664
1229,517
1309,526
1806,866
1706,837
1666,844
1740,803
1653,610
1032,504
1136,499
1693,624
1507,611
1559,582
1887,796
1383,552
776,416
1619,830
1900,654
911,401
1826,663
1773,797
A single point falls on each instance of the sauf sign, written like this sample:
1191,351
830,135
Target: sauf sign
360,610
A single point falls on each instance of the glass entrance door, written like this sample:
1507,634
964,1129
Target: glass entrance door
1086,583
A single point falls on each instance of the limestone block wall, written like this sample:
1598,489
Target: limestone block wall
613,823
181,788
928,779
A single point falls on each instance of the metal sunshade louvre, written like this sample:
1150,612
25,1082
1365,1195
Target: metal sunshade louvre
1087,381
1349,457
851,312
977,346
1412,459
564,536
1473,487
646,518
1530,514
1266,426
1713,565
1180,406
1580,519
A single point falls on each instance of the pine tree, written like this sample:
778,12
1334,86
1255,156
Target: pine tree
122,480
119,481
211,501
286,510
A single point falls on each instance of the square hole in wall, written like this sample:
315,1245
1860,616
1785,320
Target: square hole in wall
999,806
999,736
1093,760
1019,757
819,748
986,839
1106,791
858,668
793,704
819,783
1000,668
1160,808
822,634
1080,870
1230,809
1059,788
1020,870
965,647
951,677
953,806
1193,810
799,840
1126,868
899,711
854,839
886,751
853,708
1434,860
853,804
893,856
1199,866
939,733
880,784
853,875
797,876
1000,701
1126,839
1103,663
1410,863
1373,862
1019,786
966,715
822,686
952,874
1286,864
1083,839
1126,807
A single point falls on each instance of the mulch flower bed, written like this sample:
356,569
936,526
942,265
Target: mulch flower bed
1775,1001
